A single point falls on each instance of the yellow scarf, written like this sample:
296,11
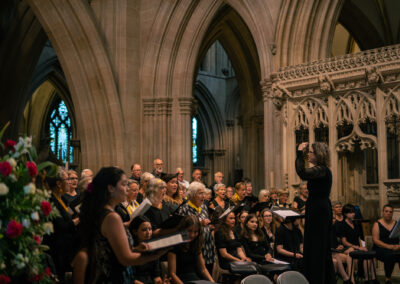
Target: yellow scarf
61,202
198,209
236,199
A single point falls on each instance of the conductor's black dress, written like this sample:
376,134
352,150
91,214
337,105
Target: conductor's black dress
318,225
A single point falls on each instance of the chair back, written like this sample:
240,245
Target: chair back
256,279
290,277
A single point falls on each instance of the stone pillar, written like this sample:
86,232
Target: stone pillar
162,136
230,153
181,147
381,147
269,171
147,137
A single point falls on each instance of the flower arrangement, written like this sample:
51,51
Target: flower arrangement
25,214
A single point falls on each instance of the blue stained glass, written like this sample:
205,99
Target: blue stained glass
60,132
194,140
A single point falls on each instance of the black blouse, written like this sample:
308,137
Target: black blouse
230,245
289,239
157,216
351,235
256,250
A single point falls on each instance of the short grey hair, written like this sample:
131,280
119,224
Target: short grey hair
146,176
155,184
193,188
207,190
218,186
130,181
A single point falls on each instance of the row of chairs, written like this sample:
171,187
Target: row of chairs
287,277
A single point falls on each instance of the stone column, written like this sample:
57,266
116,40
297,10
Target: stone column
149,109
162,136
332,147
269,170
381,147
182,137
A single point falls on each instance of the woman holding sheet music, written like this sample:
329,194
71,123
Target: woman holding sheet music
109,244
318,263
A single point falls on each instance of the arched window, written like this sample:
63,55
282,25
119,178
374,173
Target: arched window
194,140
59,123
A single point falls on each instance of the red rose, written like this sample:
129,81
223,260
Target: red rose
36,278
5,168
14,229
31,168
47,270
46,208
10,144
37,239
4,279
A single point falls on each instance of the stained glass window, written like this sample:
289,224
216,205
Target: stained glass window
194,140
60,132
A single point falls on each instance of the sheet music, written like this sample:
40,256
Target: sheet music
395,233
165,242
143,207
277,261
226,212
286,213
363,244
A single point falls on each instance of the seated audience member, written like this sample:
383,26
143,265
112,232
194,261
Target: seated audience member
125,209
300,201
339,257
220,197
337,211
254,243
109,244
63,242
150,272
283,196
227,244
181,181
273,197
158,212
240,223
267,225
172,197
289,244
263,202
387,249
71,194
351,237
229,193
196,207
185,262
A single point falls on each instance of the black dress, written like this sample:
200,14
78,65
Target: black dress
318,223
290,240
388,256
256,250
186,264
230,245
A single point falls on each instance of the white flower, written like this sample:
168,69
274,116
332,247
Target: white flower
30,188
48,228
28,142
3,189
3,266
20,261
13,178
12,162
35,216
26,223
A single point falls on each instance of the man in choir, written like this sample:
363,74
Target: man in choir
158,168
196,175
87,173
218,178
136,171
181,181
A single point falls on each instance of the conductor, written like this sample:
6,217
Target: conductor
318,263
